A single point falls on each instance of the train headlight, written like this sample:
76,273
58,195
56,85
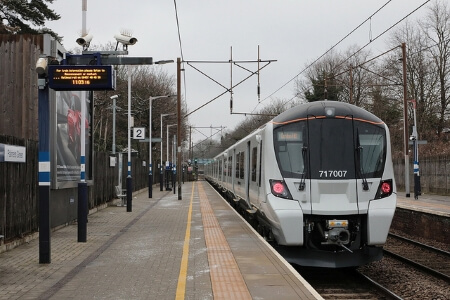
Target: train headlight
384,189
279,189
329,112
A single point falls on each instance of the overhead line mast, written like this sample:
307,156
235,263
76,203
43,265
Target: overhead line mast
230,89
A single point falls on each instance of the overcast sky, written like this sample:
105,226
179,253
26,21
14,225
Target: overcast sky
292,32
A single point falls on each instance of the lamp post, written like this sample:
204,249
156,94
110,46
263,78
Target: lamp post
167,142
167,157
161,158
114,123
150,171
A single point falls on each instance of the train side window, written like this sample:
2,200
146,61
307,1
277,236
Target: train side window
241,165
230,166
225,167
238,160
254,161
260,163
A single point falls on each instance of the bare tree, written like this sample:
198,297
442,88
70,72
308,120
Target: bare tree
146,82
319,81
421,79
436,27
357,77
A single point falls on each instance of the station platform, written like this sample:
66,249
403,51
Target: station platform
194,248
427,203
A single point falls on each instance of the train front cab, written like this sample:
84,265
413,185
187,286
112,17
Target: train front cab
337,185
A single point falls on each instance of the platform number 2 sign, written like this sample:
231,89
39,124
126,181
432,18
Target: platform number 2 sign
139,133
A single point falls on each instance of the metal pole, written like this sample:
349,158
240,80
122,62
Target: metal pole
415,138
167,168
167,142
150,171
150,175
405,122
179,124
83,17
114,127
129,178
44,172
82,185
174,167
161,179
174,148
161,164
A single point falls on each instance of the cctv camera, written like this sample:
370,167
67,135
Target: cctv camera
114,97
41,66
84,40
125,39
412,138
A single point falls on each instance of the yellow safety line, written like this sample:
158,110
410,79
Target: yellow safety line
181,287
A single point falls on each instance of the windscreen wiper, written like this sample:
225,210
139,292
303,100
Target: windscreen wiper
359,168
303,179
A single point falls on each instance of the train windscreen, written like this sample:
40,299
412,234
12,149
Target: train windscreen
330,148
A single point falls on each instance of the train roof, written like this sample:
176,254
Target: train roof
320,109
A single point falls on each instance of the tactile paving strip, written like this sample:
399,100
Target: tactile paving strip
226,278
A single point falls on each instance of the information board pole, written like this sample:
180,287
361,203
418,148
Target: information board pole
44,170
82,185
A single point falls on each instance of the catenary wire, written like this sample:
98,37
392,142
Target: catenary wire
315,61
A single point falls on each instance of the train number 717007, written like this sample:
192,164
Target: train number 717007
332,173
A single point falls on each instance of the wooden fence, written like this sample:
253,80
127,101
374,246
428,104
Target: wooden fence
19,190
18,84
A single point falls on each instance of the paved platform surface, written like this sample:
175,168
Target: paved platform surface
194,248
429,203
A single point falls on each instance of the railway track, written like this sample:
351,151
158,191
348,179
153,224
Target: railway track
429,259
411,269
344,284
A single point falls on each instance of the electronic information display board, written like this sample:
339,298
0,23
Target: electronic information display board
81,78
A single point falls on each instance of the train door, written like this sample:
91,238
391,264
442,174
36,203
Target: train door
230,169
220,170
247,173
239,176
259,171
233,171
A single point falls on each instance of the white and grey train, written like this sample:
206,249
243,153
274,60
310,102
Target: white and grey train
317,181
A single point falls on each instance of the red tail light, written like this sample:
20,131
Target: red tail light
384,189
279,189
